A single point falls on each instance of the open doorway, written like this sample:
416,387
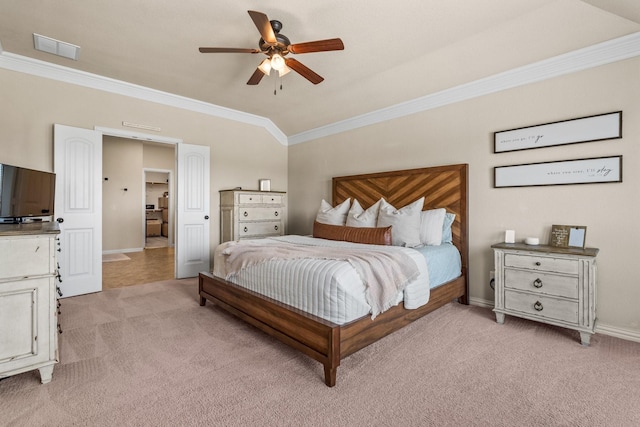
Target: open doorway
138,212
158,215
78,160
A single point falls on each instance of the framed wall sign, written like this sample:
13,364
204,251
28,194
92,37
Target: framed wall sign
568,236
580,171
583,129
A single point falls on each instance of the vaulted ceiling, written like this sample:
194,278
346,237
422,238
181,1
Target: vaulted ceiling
394,51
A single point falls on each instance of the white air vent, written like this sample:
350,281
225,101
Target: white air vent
56,47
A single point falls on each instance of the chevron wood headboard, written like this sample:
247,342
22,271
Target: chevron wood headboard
442,187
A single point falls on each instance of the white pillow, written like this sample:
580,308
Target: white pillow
431,224
405,222
334,216
358,217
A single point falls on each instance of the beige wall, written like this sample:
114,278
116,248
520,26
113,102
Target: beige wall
122,212
463,133
241,154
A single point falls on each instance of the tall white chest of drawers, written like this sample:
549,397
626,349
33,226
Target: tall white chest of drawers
547,284
251,214
28,302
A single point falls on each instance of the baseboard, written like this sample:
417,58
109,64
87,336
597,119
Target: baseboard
481,302
122,251
613,331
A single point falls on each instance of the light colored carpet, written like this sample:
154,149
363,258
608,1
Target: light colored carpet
149,355
114,257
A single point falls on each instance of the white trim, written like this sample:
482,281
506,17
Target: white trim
614,331
481,302
593,56
23,64
124,133
618,49
122,251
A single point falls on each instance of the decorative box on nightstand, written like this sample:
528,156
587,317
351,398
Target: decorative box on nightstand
547,284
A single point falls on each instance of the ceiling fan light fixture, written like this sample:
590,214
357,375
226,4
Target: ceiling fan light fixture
265,66
285,70
277,62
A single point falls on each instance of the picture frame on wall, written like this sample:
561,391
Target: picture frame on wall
568,236
561,172
584,129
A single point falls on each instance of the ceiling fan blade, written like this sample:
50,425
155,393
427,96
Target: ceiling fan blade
303,70
256,77
227,50
317,46
264,26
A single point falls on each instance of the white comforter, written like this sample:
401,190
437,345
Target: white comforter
328,289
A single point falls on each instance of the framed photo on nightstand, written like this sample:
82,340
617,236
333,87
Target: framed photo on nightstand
568,236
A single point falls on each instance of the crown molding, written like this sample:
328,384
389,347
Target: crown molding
22,64
618,49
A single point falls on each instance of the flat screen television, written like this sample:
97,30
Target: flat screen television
25,194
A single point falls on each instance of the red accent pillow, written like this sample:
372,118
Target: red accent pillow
367,235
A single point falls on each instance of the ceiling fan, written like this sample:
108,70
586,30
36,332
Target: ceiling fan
277,46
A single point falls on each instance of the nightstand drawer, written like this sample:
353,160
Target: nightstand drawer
542,263
268,228
541,306
259,214
543,283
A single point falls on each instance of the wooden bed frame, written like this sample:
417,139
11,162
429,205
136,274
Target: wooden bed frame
327,342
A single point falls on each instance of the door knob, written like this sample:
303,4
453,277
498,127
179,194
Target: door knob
206,217
60,220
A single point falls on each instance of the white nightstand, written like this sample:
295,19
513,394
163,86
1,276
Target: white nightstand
547,284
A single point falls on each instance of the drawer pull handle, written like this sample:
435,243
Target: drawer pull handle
275,228
246,229
537,283
538,306
276,213
538,263
246,213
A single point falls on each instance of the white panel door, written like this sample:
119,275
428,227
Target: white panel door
78,208
192,236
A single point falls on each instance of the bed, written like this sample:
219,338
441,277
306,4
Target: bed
329,342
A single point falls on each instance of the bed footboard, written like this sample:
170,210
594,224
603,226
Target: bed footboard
311,335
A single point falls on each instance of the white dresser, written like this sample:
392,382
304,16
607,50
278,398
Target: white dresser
251,214
28,301
547,284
